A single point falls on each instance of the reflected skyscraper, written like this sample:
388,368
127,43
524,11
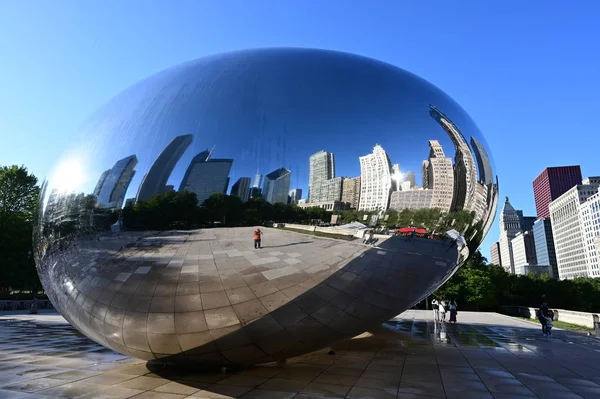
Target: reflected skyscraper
114,184
277,186
376,180
321,169
258,181
101,182
155,180
206,176
438,176
465,172
351,191
241,188
294,196
483,162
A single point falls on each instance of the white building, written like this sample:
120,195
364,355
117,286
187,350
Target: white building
438,175
524,256
589,218
510,226
568,220
376,180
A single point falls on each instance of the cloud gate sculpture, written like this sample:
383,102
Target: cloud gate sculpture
145,227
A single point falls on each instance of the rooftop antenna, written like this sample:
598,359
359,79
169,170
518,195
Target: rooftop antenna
211,151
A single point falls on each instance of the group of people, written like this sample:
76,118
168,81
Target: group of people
441,307
546,316
369,237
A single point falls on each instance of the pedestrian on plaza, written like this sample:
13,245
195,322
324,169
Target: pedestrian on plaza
549,321
453,311
257,238
442,306
436,309
542,314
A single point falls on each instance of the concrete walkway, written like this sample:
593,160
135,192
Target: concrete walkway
485,355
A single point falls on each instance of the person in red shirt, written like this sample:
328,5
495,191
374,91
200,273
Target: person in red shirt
257,238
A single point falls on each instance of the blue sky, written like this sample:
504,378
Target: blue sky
527,72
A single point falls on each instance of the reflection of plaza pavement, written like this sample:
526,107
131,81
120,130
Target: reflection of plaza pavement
484,356
208,296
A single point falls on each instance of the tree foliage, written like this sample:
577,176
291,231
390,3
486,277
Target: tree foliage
18,197
481,286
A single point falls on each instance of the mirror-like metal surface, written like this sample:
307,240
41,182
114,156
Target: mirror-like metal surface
146,227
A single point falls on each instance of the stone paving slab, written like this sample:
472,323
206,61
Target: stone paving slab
485,355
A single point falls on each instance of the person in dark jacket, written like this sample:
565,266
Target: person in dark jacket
543,313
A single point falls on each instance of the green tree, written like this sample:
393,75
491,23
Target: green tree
18,198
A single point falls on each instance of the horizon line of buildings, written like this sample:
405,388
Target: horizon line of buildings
563,239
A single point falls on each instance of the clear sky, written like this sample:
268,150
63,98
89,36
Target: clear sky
527,72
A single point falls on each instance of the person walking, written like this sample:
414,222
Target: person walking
436,310
442,306
542,313
453,311
257,238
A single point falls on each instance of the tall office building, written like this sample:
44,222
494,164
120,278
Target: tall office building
523,248
438,175
321,169
331,190
241,188
375,180
351,191
294,196
551,184
483,162
465,171
411,199
277,186
115,183
258,181
100,183
510,225
155,181
544,245
495,254
569,239
206,176
589,219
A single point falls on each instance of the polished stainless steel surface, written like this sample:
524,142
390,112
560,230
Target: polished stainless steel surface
138,251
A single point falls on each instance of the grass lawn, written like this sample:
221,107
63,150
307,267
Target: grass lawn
344,237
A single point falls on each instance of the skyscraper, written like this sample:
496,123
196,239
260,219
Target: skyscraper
206,176
375,180
277,186
495,253
483,162
438,176
258,181
351,191
544,245
294,196
551,184
241,188
570,241
465,172
510,226
523,248
321,169
101,182
115,183
155,180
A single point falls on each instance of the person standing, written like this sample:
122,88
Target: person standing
257,238
436,310
442,306
453,311
542,314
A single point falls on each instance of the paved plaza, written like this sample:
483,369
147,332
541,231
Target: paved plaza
486,355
